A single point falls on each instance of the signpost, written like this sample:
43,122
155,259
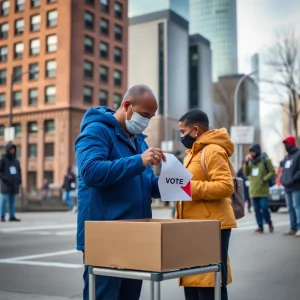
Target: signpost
9,134
241,135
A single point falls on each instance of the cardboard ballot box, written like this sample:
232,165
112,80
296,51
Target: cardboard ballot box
152,244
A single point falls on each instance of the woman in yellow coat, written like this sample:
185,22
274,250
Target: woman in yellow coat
210,194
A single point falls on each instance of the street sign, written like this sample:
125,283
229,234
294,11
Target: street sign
167,146
242,135
9,134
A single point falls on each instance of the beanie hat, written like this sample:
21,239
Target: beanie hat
290,140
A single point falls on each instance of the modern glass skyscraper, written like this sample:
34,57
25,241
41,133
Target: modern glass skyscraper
216,20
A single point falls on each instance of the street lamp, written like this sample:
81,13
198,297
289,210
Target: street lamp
236,112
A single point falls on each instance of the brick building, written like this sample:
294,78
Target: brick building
62,56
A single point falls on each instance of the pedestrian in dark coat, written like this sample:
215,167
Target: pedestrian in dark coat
10,175
290,179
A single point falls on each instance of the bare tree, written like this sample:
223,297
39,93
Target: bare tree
284,63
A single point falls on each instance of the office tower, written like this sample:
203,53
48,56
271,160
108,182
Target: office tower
64,57
216,20
158,48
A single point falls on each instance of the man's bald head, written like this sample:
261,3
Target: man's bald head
138,93
139,99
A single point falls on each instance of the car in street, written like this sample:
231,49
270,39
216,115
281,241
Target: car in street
276,198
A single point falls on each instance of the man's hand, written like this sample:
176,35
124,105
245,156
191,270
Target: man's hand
153,156
248,157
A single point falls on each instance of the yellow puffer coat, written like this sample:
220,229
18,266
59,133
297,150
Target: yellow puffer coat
210,199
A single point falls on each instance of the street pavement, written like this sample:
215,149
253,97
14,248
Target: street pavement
38,260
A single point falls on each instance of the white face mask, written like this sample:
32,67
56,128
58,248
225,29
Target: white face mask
137,124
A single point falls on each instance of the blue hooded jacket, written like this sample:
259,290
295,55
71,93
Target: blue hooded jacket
113,184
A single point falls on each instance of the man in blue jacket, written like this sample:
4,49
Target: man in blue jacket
115,176
290,179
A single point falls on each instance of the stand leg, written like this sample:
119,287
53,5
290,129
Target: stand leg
157,290
217,285
151,290
92,287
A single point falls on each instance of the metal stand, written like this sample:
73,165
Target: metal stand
154,278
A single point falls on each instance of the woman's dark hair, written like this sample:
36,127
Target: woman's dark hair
196,117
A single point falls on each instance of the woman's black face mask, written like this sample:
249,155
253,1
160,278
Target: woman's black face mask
188,141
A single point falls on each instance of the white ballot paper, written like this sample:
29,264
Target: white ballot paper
175,180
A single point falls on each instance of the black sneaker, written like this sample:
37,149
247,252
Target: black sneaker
2,219
14,219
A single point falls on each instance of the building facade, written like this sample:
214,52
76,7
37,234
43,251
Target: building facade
60,57
200,76
158,56
248,104
216,20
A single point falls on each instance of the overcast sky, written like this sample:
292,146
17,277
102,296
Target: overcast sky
258,21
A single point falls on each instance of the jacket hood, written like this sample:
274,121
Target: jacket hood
10,145
255,148
99,114
217,137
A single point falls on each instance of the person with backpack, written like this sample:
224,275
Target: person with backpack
259,169
290,179
208,153
69,186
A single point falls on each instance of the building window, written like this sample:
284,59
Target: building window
103,74
88,45
118,33
18,151
32,127
33,71
50,94
52,18
90,2
103,98
17,74
103,50
31,182
104,5
35,23
35,47
20,5
88,95
19,27
32,150
51,1
17,99
51,68
19,50
161,63
2,130
3,77
33,96
49,126
118,10
88,69
4,9
89,20
193,73
3,53
118,55
104,26
51,43
117,78
117,101
4,30
35,3
49,150
2,100
49,175
18,129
